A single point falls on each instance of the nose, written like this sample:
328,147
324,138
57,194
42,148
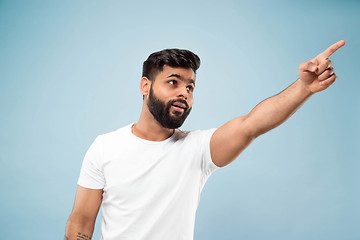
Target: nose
183,93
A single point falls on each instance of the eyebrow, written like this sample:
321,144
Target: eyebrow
181,78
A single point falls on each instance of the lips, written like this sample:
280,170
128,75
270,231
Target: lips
180,105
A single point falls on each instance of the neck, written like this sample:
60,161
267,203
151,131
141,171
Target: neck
149,129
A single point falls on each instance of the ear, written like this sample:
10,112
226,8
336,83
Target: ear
145,85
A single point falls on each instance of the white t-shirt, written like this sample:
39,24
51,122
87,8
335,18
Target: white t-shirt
151,189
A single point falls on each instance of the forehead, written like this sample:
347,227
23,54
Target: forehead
185,74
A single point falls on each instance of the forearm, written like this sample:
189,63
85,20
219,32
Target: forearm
273,111
79,229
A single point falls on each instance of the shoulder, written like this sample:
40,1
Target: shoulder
194,134
115,136
207,132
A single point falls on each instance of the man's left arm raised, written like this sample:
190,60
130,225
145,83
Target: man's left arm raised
232,138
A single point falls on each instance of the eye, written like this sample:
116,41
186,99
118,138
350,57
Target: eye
172,82
190,88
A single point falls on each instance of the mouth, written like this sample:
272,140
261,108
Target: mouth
179,106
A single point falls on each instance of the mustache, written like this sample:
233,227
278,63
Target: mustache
180,101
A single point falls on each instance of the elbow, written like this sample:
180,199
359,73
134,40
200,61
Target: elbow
77,219
78,222
249,129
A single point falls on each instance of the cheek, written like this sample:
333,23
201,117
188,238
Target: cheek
190,101
163,93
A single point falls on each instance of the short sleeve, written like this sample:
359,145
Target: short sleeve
91,175
207,165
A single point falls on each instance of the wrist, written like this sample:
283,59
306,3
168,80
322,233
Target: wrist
304,88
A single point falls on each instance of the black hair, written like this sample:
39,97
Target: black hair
172,57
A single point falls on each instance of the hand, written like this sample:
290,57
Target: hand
318,74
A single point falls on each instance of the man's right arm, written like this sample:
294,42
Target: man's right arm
81,222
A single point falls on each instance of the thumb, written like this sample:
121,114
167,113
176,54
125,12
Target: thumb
307,67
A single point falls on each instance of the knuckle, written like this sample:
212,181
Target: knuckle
302,65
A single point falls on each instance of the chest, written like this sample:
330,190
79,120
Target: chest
137,173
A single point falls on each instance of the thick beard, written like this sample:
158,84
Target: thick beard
161,111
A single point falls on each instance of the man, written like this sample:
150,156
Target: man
148,175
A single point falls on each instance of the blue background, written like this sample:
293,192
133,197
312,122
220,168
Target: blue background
70,70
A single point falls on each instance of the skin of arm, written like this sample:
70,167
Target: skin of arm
232,138
81,222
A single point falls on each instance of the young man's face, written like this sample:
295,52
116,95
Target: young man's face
171,96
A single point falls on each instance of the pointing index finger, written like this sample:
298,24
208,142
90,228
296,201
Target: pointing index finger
330,50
